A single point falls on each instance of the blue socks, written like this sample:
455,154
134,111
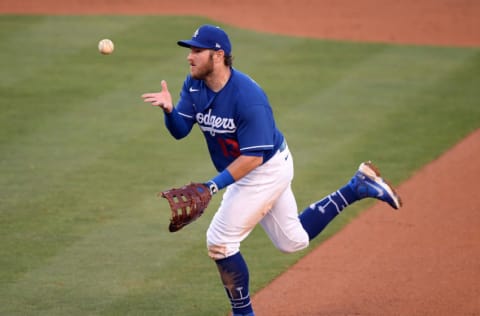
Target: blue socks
317,216
234,273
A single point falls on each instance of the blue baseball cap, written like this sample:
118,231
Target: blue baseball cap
210,37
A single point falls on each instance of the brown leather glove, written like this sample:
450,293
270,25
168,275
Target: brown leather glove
187,204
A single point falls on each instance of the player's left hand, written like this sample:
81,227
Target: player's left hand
162,99
186,204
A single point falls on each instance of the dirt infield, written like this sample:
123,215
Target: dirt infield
438,22
425,259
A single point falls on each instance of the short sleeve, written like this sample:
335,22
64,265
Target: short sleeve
256,130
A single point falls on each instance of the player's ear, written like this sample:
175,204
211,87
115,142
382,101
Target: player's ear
219,54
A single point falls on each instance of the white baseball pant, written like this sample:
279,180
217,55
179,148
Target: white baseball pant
263,196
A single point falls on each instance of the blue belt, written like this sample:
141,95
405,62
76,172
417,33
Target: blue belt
283,146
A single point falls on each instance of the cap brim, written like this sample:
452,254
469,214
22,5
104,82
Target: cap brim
191,43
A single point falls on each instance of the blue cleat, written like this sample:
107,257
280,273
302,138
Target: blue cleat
367,183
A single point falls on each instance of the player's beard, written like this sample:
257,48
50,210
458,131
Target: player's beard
202,72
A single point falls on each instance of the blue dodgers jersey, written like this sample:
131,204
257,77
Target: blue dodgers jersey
236,120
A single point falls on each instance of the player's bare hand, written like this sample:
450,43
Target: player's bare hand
162,99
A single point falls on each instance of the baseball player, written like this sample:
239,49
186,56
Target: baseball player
253,161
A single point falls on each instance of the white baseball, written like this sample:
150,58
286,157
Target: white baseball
105,46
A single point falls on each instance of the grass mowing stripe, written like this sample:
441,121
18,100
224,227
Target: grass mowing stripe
374,95
45,41
82,231
120,264
56,171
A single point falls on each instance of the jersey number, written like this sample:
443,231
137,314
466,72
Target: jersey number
230,147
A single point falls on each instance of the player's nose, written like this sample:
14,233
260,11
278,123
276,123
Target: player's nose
190,58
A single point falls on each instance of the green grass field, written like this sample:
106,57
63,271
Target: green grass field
82,157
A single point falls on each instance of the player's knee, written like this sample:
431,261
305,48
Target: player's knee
217,252
293,246
220,249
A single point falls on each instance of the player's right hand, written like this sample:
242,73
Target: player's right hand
162,99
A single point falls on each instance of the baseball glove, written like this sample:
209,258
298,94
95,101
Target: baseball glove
187,204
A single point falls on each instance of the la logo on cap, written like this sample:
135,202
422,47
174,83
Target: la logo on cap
196,33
